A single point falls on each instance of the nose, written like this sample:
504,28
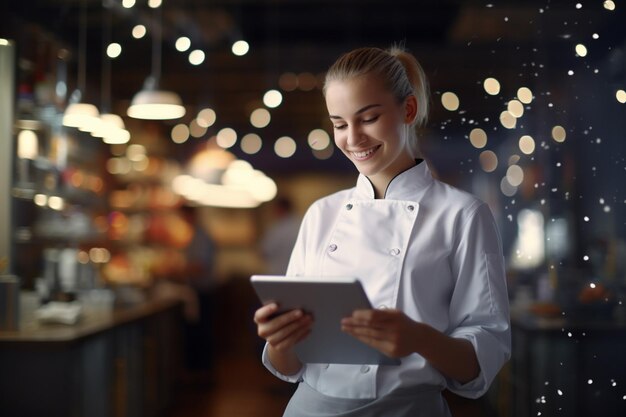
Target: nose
355,136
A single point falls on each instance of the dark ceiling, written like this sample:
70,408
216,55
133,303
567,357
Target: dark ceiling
460,43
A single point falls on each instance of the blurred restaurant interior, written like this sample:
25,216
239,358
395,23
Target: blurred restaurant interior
127,237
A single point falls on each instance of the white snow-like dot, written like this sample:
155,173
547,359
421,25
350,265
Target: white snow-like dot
585,258
559,392
590,381
570,72
586,218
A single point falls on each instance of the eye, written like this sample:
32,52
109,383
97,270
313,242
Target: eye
340,127
371,119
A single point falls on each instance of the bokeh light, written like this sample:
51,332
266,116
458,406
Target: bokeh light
488,161
318,139
240,48
196,129
251,143
206,117
139,31
285,147
114,50
260,118
226,137
450,101
288,81
609,5
515,175
516,108
491,86
525,95
527,144
196,57
183,44
508,120
478,138
180,133
558,133
272,98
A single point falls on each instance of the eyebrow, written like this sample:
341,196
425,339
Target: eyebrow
364,109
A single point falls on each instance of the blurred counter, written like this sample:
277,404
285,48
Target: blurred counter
113,362
570,367
91,323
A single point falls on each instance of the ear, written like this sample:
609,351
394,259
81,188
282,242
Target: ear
410,109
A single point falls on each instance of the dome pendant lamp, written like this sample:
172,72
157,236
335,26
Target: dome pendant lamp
151,103
111,129
79,114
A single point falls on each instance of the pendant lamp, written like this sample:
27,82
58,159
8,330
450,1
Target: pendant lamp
83,116
152,103
111,127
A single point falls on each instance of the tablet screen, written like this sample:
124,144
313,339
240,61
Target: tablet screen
328,299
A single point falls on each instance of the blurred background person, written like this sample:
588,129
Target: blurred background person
277,242
199,274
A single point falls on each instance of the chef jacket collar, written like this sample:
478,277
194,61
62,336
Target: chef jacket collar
404,186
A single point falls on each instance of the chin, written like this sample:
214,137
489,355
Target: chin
365,170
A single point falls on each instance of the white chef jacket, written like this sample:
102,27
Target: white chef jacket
428,249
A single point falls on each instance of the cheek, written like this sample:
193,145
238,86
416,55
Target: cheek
340,140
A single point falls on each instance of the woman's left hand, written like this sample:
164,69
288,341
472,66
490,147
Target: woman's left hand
389,331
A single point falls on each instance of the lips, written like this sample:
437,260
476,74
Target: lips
365,154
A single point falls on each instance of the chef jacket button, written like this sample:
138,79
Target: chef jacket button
410,207
394,251
349,206
382,307
332,247
365,369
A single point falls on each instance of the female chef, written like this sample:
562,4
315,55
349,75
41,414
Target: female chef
428,255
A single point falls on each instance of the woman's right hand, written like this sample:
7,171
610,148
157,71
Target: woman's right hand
282,331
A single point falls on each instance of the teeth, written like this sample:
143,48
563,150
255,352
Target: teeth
364,154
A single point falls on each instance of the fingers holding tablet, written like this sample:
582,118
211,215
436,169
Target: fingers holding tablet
282,330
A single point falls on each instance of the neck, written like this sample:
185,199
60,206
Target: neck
380,182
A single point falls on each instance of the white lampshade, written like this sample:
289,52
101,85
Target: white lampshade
108,122
156,105
116,136
27,145
81,115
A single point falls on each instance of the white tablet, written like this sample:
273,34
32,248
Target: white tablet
328,299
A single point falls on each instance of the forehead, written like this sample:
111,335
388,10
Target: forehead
345,95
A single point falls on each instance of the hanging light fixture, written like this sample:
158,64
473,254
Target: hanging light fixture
152,103
83,116
111,127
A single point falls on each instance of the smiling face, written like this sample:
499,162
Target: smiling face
371,127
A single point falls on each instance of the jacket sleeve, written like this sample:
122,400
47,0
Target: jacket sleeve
296,267
479,308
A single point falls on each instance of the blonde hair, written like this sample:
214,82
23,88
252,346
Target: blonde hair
401,72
